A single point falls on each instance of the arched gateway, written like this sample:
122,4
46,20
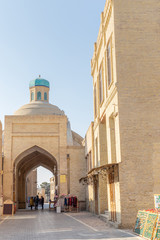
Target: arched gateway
26,162
39,134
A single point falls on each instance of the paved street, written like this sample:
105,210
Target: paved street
48,225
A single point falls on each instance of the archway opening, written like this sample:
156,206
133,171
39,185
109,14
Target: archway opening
26,164
40,182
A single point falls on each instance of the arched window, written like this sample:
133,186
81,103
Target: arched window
45,96
32,96
38,95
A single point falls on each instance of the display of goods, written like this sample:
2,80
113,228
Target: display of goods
148,224
140,222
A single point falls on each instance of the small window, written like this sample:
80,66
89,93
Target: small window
32,96
45,96
38,95
109,63
95,102
100,86
96,152
90,160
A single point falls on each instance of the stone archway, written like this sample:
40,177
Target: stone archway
24,163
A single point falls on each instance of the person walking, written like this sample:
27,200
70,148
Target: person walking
36,202
31,202
42,201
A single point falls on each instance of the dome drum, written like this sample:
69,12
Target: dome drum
39,90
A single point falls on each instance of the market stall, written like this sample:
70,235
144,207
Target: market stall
67,203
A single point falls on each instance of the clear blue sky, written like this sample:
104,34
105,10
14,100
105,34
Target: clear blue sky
54,38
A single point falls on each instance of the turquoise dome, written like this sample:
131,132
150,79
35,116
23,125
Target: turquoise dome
39,82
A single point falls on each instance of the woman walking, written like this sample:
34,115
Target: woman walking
31,202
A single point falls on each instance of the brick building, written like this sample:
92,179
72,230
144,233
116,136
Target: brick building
123,155
39,134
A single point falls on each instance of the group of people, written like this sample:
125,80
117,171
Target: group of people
34,201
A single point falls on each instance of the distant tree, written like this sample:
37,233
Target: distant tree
46,186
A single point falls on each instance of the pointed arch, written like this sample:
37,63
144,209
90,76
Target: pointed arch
45,96
32,150
25,163
38,95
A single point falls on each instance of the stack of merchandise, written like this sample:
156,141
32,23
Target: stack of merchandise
148,224
148,221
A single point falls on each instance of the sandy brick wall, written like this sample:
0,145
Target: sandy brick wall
103,198
91,198
77,170
89,139
24,132
32,183
137,58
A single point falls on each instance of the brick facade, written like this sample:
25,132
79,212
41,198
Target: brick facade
42,139
126,117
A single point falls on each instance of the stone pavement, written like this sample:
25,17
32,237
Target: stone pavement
47,225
